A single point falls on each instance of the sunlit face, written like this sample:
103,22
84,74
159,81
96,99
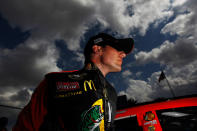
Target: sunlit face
112,59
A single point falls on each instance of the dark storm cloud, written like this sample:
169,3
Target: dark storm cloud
46,15
22,95
182,53
16,99
25,66
49,19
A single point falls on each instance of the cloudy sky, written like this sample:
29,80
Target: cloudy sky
37,37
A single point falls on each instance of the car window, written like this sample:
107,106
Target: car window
127,124
178,119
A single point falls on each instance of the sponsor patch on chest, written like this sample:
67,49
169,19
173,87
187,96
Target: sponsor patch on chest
67,86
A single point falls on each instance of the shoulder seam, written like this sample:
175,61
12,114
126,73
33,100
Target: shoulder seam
60,72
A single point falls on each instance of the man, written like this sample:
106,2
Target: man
78,100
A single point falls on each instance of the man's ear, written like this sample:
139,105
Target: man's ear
96,49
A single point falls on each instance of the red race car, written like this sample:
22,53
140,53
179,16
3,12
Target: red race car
177,114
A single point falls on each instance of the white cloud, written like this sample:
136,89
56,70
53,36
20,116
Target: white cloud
178,25
179,57
182,81
126,73
138,74
148,12
180,60
180,53
185,23
138,90
178,2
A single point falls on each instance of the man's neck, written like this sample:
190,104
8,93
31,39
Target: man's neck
93,65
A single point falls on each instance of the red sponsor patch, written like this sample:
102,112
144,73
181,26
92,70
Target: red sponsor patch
67,86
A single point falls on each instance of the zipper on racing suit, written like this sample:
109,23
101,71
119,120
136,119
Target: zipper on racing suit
107,110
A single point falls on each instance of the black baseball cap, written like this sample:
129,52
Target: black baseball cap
101,39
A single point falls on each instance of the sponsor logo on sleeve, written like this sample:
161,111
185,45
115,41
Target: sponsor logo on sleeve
93,118
68,94
67,86
89,84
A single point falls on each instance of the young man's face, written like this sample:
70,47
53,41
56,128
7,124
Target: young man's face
112,59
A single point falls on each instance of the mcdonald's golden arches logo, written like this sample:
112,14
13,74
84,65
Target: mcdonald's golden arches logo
90,84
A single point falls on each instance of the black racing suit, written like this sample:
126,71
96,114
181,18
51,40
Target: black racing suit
78,101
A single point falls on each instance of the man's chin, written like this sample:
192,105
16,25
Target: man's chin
117,69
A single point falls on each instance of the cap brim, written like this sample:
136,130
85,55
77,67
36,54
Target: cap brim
125,45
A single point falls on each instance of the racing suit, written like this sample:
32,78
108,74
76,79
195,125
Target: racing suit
73,101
